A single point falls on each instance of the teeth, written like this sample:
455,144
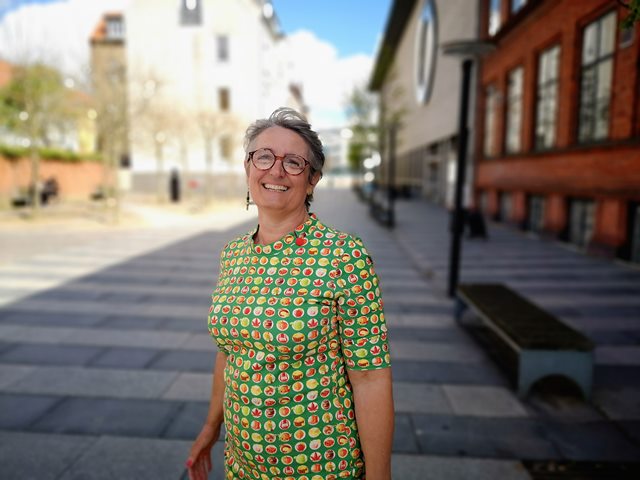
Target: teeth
280,188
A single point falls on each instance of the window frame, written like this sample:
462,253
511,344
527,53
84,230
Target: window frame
513,130
590,133
544,86
191,17
490,143
224,99
222,48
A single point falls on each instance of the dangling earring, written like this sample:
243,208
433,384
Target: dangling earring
248,199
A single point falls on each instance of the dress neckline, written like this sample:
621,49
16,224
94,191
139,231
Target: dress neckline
290,239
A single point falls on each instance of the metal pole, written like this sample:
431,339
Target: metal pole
392,176
457,226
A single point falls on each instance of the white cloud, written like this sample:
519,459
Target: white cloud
56,33
327,79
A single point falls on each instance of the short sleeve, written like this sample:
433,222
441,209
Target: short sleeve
361,323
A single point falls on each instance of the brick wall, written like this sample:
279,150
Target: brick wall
607,172
76,180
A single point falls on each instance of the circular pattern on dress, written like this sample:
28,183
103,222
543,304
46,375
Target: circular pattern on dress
291,316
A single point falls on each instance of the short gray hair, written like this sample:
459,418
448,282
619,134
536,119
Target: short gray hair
292,120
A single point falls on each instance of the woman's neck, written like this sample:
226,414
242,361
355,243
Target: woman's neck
272,228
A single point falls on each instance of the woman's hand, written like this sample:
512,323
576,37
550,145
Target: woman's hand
199,461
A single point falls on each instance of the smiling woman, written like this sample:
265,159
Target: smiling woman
302,380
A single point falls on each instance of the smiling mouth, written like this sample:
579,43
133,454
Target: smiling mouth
275,188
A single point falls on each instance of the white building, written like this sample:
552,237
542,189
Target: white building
421,85
199,71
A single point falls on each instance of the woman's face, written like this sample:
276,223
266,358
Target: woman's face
275,189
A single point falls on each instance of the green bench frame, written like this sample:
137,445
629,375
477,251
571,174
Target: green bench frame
536,344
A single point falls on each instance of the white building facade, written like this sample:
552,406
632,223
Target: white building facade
420,86
199,72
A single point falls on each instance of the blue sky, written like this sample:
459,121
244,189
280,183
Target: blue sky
8,5
352,26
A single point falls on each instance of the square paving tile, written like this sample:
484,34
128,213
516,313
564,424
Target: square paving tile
132,322
618,355
616,376
190,387
594,441
427,467
510,438
446,373
122,357
445,352
10,374
95,382
189,361
130,458
404,438
39,456
430,334
619,403
20,411
107,416
43,354
53,319
420,398
188,422
483,401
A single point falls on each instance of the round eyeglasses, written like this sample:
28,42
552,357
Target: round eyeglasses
264,159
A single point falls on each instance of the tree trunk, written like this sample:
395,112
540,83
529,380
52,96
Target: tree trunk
35,187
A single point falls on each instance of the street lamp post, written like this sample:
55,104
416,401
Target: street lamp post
467,50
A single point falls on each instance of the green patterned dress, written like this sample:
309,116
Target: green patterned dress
291,317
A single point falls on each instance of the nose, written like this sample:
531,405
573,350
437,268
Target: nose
277,169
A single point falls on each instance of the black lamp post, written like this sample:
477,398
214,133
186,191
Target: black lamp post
468,50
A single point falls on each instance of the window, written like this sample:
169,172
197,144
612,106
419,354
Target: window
491,109
426,50
598,44
581,221
226,147
516,5
224,100
514,111
222,47
547,102
191,12
535,220
494,16
115,28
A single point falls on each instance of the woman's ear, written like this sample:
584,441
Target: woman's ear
315,178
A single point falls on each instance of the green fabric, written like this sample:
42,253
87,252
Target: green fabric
291,317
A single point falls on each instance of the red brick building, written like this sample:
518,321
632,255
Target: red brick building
558,149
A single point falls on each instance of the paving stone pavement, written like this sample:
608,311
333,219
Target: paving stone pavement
105,365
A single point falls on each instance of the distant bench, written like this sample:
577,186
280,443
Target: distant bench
530,343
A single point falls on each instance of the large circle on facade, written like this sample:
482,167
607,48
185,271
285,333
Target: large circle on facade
426,50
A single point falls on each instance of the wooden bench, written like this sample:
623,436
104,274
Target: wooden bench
530,343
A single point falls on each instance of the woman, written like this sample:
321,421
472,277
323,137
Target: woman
302,379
